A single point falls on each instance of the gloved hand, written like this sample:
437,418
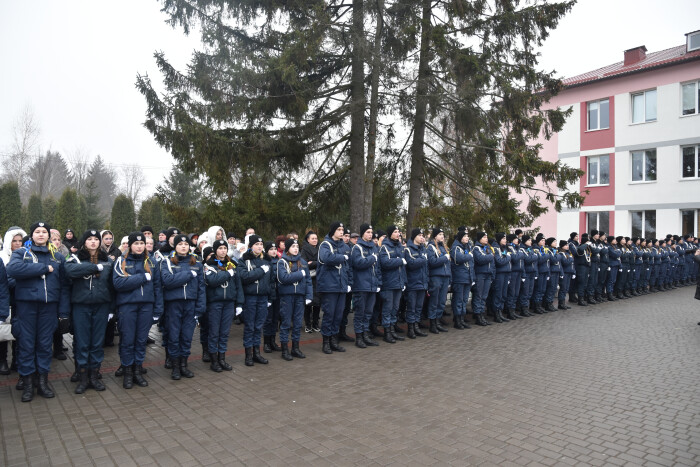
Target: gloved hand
307,302
404,288
523,280
155,319
346,257
378,289
148,276
561,277
239,310
196,320
608,269
269,304
535,277
574,276
475,283
231,272
303,273
194,273
100,267
265,268
110,316
548,277
404,261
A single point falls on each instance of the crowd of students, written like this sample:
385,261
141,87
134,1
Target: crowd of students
84,286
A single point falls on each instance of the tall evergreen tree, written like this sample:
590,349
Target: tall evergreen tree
68,215
152,212
105,179
11,212
94,219
49,175
48,210
123,219
34,210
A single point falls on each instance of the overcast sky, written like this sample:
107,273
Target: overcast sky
75,63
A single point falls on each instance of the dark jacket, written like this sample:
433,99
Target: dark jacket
89,285
543,259
530,261
501,259
581,253
566,260
223,286
131,286
29,267
333,269
4,293
484,262
438,260
180,284
367,274
461,263
290,280
416,266
254,278
391,261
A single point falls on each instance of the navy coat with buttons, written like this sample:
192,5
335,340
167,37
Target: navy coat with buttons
416,258
614,253
484,262
89,285
438,261
131,286
566,259
223,286
180,284
501,259
462,263
543,260
290,280
554,264
391,261
366,271
530,262
29,267
254,278
333,274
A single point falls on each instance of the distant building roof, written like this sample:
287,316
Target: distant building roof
663,58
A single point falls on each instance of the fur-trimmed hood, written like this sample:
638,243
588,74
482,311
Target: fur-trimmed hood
6,252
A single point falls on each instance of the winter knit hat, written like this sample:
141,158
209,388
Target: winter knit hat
415,233
479,236
218,243
460,235
518,232
436,232
267,246
526,237
88,234
253,239
364,228
36,225
381,233
594,232
562,243
136,237
500,236
147,228
171,231
584,237
391,229
335,226
206,252
180,239
619,238
539,237
511,237
289,242
550,241
573,235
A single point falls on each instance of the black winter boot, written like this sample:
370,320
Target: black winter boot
215,366
82,381
138,377
582,302
44,389
175,372
410,332
376,332
549,307
94,380
389,337
184,371
457,323
206,356
419,332
396,336
463,320
285,352
367,338
257,356
168,360
296,351
343,336
327,345
479,319
27,388
335,346
267,348
222,362
433,326
359,341
249,356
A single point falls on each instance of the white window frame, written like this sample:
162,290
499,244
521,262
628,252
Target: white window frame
588,122
597,221
695,160
696,228
588,165
644,100
644,222
644,166
696,94
693,35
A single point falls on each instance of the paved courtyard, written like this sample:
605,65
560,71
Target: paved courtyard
612,384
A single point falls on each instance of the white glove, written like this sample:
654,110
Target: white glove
148,276
620,270
346,257
265,268
349,289
548,278
196,320
628,270
561,277
100,267
574,276
404,288
523,280
239,310
110,316
303,273
425,255
231,272
404,261
155,320
307,301
608,269
535,277
269,304
194,273
475,282
378,289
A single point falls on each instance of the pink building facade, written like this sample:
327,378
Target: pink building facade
635,132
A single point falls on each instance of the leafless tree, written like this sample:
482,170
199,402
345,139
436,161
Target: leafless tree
133,181
24,149
79,161
48,175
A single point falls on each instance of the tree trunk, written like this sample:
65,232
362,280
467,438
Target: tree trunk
357,122
417,146
373,112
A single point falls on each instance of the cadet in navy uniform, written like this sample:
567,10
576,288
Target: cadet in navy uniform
604,267
367,282
272,320
333,279
566,261
137,284
225,300
484,266
256,277
295,290
543,259
417,277
392,263
530,276
554,275
614,254
517,276
595,268
42,296
92,296
462,264
499,288
582,262
439,273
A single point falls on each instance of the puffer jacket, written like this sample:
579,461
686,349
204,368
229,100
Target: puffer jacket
461,263
391,261
131,286
367,273
29,267
89,285
416,266
223,286
254,278
438,260
333,274
290,280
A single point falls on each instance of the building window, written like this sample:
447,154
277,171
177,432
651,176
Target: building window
599,115
644,106
693,41
644,166
690,222
691,162
643,224
599,221
598,170
690,98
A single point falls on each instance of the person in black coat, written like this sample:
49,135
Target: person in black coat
312,311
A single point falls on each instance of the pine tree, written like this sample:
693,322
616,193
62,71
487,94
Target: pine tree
11,212
152,212
68,214
123,219
34,210
48,210
94,219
